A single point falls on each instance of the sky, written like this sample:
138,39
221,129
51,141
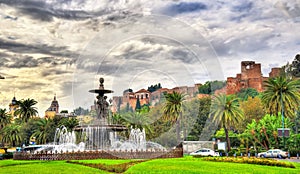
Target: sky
63,47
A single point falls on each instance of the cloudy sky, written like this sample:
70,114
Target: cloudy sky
62,47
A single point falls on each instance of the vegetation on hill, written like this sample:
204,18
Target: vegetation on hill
211,86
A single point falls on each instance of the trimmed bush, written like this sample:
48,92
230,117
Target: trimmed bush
8,155
246,160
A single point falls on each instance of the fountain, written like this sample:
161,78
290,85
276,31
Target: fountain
100,140
100,135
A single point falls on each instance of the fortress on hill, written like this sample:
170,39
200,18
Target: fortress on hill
144,96
250,77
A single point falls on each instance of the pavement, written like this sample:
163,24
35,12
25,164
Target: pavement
292,159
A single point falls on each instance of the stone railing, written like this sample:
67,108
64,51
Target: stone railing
80,155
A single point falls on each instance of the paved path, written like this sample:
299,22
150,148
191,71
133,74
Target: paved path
291,160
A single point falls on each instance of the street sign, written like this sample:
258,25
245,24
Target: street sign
286,132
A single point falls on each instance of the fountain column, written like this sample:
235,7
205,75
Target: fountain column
101,104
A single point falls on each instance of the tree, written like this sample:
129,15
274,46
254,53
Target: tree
138,105
11,134
253,109
5,118
295,66
42,131
173,110
81,111
265,131
278,89
225,111
245,93
26,109
154,88
137,120
202,108
69,123
211,86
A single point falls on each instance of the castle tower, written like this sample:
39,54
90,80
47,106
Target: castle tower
53,109
13,106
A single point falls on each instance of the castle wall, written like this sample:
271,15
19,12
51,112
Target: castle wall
250,77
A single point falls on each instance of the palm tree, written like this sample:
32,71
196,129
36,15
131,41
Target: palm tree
225,111
5,118
283,90
26,109
173,110
11,134
137,120
41,133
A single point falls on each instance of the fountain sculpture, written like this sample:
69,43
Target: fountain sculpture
104,136
100,137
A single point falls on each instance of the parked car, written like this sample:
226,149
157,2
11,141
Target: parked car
205,152
273,153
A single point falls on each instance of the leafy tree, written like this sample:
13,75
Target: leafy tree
281,90
253,109
153,88
138,105
211,86
69,123
202,109
5,118
28,128
42,131
117,119
264,132
225,111
295,66
26,109
245,93
173,110
64,111
81,111
11,134
137,120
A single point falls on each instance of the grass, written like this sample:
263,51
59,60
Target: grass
50,167
103,161
177,165
196,165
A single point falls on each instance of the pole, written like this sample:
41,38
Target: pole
282,118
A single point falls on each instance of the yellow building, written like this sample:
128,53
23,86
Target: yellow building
53,109
13,106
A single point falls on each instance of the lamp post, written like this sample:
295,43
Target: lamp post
282,117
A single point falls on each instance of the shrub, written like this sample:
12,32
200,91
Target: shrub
259,161
294,151
8,155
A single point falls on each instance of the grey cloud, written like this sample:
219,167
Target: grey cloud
43,49
184,56
49,72
43,11
29,62
30,85
184,7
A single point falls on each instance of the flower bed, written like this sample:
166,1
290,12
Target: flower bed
259,161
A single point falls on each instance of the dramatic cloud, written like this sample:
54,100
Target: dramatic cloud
63,47
184,7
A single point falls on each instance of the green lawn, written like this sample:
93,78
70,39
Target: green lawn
51,167
178,165
196,165
104,161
